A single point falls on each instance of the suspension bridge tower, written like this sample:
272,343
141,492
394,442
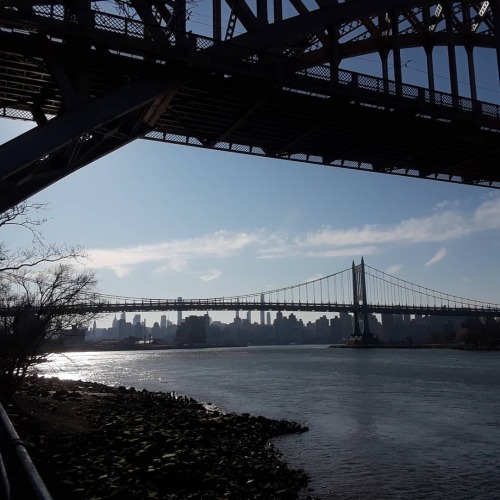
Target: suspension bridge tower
361,334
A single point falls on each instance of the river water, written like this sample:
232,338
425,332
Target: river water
384,423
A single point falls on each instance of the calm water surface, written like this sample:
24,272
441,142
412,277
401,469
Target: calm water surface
383,423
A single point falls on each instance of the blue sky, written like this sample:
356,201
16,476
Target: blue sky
164,221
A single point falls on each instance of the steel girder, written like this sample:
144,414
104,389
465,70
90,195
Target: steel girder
94,81
80,136
351,22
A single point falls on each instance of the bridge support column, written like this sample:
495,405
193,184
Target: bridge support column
384,55
452,56
430,67
496,30
277,10
428,48
472,73
217,20
396,51
360,336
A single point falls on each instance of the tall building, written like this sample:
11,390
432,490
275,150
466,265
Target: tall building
193,330
163,321
262,310
268,319
388,327
345,323
179,313
249,316
136,319
122,316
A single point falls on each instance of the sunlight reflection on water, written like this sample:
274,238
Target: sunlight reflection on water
383,423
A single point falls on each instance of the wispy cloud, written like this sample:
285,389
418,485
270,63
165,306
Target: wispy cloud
439,255
298,250
325,242
174,255
487,215
439,227
313,278
210,275
394,269
448,203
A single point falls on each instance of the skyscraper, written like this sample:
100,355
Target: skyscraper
179,313
262,310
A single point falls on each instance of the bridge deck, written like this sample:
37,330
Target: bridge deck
227,97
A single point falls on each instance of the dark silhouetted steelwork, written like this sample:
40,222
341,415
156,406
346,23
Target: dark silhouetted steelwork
269,82
361,290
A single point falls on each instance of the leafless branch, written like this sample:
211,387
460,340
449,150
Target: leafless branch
43,300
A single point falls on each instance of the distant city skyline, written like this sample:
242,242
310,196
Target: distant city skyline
202,330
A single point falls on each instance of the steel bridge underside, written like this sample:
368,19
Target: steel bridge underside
91,91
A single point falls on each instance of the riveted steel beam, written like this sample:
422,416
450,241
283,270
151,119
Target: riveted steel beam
79,136
277,34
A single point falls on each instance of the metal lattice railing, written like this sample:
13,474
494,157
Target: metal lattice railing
385,293
386,290
276,66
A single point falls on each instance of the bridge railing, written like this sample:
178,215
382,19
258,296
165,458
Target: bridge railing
223,304
385,290
412,94
316,80
204,305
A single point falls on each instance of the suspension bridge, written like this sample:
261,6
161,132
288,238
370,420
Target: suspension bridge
360,290
265,78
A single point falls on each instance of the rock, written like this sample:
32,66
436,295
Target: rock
143,444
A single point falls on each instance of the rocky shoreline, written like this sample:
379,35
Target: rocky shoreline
89,440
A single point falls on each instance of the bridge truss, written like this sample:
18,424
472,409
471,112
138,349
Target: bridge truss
380,293
264,78
360,290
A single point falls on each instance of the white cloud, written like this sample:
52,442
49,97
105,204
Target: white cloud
325,242
288,250
439,227
121,271
210,275
394,269
442,204
439,255
487,215
448,203
315,277
175,254
343,252
444,226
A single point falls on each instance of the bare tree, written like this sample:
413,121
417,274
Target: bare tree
37,303
14,259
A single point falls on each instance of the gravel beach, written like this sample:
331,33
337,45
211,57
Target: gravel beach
89,440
